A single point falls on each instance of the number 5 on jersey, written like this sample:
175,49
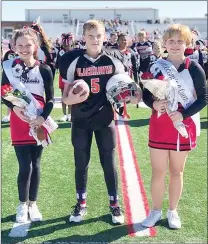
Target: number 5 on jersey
95,86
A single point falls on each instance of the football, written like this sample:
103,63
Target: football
40,133
79,85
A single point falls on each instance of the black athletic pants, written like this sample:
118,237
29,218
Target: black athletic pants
29,171
106,142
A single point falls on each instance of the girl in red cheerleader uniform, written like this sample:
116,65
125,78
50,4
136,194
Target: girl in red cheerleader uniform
168,149
38,79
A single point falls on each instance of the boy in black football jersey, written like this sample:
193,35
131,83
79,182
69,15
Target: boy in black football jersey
113,41
144,49
94,114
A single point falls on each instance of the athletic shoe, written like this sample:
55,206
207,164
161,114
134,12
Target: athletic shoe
78,213
22,213
6,119
69,117
153,217
64,118
117,215
173,219
34,213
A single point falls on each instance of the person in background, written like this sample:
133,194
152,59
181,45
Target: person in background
65,47
156,51
193,51
44,51
130,61
144,49
113,41
9,55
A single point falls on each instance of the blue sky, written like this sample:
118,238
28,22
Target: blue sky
15,10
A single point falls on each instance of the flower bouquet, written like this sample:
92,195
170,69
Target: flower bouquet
164,89
21,97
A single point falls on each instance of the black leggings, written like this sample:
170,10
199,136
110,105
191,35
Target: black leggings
106,142
29,171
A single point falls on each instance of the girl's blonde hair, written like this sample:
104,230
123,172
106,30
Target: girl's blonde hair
26,31
91,24
177,29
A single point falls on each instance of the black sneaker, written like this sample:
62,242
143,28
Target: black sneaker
78,213
117,215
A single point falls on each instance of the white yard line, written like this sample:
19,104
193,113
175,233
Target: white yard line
135,201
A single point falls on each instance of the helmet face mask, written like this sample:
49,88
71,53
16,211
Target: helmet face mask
120,89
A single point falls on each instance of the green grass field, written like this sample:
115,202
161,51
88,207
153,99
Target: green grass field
57,91
57,191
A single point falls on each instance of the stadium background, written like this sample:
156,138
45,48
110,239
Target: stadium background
131,20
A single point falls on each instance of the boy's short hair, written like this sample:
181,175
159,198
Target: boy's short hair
93,23
122,35
142,33
183,31
113,34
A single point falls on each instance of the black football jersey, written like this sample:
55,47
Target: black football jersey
77,64
110,45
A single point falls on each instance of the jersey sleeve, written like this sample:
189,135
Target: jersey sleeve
67,65
201,88
5,81
47,76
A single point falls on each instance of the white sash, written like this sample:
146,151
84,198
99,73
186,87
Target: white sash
49,123
185,96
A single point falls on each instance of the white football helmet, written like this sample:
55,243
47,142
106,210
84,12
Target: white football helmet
119,89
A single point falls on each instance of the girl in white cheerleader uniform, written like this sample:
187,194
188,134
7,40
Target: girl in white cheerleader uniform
37,78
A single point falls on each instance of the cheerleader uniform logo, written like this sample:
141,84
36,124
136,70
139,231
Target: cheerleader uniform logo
17,70
20,70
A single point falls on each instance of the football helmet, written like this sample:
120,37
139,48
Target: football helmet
119,90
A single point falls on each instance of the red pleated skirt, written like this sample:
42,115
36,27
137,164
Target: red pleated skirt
163,134
19,130
61,83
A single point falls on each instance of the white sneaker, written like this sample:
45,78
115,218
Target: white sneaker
69,117
22,213
64,118
173,219
6,119
153,217
34,213
117,215
78,213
